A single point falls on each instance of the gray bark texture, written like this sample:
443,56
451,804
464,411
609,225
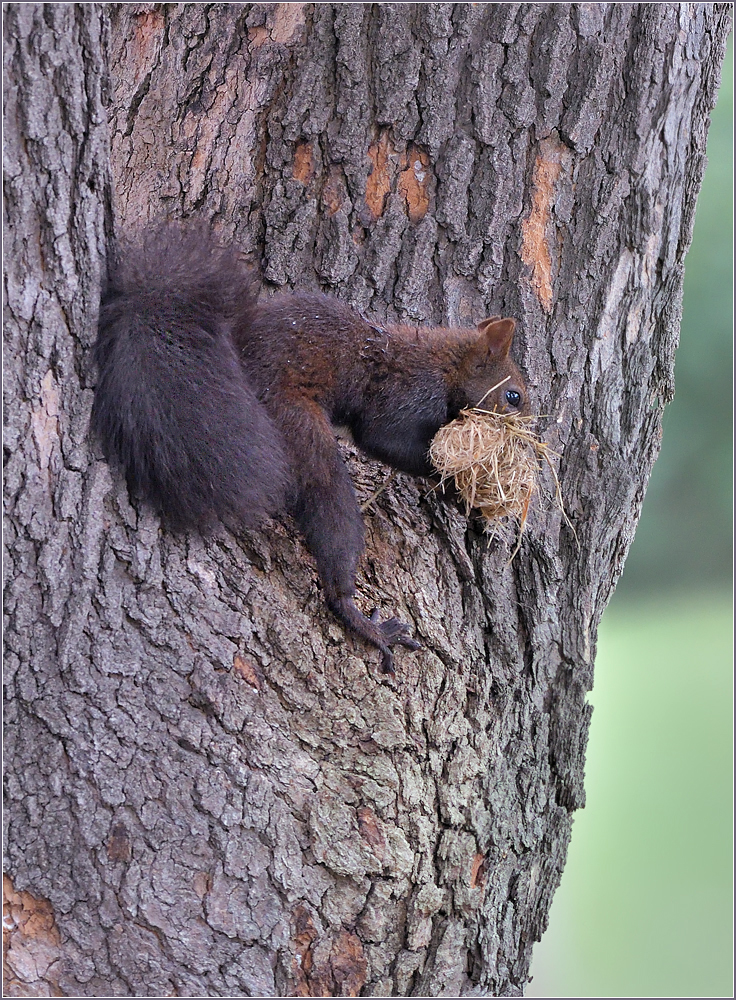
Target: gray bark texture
210,792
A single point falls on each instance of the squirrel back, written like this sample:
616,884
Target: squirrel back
172,407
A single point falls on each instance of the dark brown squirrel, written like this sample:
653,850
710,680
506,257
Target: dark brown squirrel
220,405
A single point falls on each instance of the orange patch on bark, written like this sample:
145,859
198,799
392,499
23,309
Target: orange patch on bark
31,941
305,934
348,964
34,917
378,184
333,966
202,884
257,36
371,831
478,872
535,248
247,671
414,183
333,192
303,165
199,161
287,19
147,34
119,846
284,21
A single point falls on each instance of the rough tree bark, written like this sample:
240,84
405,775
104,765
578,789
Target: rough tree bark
210,791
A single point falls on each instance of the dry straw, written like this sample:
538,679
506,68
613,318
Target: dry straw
494,460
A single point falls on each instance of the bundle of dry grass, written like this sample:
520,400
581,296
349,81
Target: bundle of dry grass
494,461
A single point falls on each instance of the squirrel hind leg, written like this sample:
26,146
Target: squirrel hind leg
327,511
382,635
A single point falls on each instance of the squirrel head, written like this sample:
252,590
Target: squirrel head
487,376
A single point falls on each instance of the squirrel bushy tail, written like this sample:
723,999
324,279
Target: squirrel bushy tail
172,406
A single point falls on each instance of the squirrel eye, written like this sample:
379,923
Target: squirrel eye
513,398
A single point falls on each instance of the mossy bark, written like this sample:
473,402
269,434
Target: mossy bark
210,791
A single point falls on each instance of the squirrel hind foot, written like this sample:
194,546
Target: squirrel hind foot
382,635
394,633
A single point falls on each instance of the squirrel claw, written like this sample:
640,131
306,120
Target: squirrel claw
394,632
383,635
387,664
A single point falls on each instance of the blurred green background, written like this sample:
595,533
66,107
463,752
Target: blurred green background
645,905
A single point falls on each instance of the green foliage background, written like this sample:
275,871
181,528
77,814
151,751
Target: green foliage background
645,905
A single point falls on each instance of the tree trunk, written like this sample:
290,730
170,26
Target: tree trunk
211,793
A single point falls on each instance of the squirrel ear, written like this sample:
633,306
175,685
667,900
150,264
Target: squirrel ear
498,333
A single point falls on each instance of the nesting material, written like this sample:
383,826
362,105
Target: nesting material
494,460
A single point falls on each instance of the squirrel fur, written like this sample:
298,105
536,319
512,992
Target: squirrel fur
219,405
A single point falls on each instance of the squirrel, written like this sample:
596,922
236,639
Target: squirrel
219,404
